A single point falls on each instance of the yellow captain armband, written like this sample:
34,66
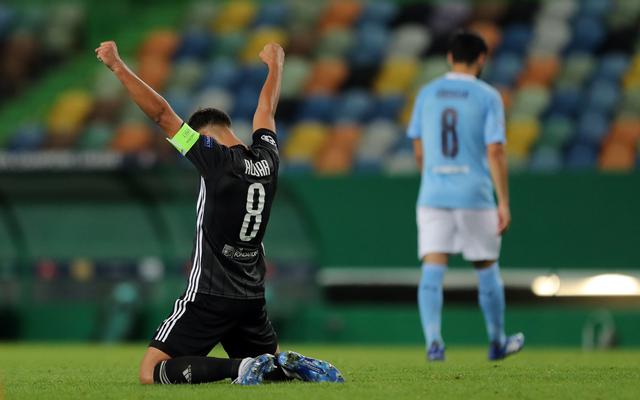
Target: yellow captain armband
184,139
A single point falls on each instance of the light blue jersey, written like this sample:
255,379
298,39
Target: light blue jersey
456,117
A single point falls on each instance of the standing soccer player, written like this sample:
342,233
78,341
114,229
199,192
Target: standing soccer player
459,141
224,300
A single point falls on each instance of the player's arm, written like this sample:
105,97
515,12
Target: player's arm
150,102
264,117
497,159
417,151
495,139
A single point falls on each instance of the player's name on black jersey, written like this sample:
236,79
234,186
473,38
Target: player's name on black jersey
259,168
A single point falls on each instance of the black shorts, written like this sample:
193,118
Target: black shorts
195,328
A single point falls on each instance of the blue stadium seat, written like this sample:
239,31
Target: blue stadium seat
246,100
222,73
603,95
389,107
355,105
595,8
581,156
515,39
272,14
612,66
196,43
593,126
546,158
378,12
371,41
27,138
588,34
505,68
318,108
566,100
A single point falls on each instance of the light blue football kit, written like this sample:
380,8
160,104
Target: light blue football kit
456,117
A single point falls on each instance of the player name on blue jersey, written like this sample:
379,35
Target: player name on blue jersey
456,117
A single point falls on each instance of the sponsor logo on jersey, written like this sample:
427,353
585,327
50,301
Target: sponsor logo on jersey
268,139
260,168
451,169
239,253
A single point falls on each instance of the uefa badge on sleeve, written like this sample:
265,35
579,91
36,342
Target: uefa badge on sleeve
268,139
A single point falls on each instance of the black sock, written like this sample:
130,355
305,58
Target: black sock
195,370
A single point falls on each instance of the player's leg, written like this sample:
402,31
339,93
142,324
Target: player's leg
178,352
481,245
436,239
254,335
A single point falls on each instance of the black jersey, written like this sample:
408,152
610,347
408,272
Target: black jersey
237,188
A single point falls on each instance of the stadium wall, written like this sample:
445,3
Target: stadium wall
73,245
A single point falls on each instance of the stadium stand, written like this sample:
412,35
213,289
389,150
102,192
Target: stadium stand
33,41
569,72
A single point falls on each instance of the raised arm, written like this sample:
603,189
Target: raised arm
154,105
497,160
264,117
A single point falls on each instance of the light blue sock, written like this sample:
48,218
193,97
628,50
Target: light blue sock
430,301
491,299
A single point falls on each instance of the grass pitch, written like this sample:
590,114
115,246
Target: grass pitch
53,372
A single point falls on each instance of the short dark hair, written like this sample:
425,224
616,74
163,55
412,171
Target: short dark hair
466,47
208,116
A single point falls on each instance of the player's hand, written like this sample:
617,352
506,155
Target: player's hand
107,54
504,218
272,55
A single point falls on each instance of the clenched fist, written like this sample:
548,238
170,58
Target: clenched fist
272,55
107,53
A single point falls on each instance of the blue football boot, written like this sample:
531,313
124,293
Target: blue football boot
436,352
512,345
308,369
252,372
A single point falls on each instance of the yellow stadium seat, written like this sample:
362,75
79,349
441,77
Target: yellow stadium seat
396,76
69,112
522,133
258,39
235,16
306,140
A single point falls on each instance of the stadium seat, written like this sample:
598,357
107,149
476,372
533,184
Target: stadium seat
557,131
617,156
522,133
234,16
259,39
295,74
339,14
336,154
272,14
305,142
355,106
396,76
409,41
547,159
592,126
581,156
335,43
326,76
133,137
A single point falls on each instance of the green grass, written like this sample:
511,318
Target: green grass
110,372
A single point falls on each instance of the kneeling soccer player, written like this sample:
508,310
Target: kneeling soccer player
458,131
224,300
